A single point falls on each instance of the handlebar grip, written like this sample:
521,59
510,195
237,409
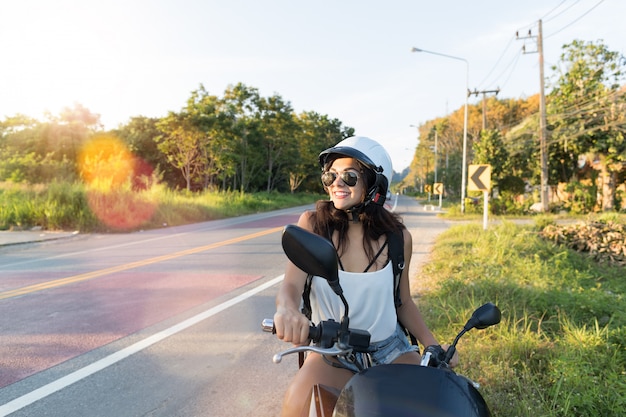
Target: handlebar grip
267,325
437,355
314,333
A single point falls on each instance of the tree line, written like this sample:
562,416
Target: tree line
244,141
238,141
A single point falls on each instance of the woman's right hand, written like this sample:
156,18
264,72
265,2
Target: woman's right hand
292,326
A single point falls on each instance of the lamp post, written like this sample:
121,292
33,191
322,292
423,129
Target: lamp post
464,169
421,166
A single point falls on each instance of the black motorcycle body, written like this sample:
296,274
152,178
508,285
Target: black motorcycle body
429,390
409,390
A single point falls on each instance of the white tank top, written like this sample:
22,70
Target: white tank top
370,297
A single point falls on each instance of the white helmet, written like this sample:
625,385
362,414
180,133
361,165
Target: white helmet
371,154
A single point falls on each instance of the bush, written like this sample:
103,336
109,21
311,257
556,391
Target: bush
583,198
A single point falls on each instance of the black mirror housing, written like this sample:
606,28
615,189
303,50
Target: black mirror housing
312,253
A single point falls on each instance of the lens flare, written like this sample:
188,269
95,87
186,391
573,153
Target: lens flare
115,178
105,163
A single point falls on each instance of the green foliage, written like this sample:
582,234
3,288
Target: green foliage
490,150
560,348
243,141
586,114
63,206
512,184
59,206
542,221
238,141
506,203
583,197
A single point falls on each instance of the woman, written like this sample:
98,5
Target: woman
356,175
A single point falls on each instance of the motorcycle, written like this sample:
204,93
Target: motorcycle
426,390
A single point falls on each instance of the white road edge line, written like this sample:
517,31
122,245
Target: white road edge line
59,384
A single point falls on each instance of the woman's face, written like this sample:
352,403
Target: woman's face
341,194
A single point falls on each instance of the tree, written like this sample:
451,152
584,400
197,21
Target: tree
241,112
71,130
491,150
277,129
586,110
182,142
140,134
208,115
315,133
36,152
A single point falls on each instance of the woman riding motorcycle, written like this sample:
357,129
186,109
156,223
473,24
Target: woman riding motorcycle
356,173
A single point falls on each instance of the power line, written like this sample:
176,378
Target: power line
513,65
497,62
544,18
575,20
554,13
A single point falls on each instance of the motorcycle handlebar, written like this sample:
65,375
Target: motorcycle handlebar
328,335
434,356
268,326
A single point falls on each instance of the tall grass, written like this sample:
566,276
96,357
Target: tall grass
560,348
65,206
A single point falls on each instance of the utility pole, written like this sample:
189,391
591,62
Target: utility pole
542,117
484,93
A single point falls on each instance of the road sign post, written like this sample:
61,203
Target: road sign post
480,180
438,189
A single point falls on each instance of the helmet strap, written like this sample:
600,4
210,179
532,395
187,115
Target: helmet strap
356,211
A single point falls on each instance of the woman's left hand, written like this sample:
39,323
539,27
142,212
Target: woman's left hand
455,358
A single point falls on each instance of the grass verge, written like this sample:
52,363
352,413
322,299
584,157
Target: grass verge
63,206
559,350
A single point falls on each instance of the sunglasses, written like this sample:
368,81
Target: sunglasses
350,178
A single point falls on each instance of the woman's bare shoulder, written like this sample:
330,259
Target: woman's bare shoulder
408,238
306,220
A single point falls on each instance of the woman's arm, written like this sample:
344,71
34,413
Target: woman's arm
291,325
408,313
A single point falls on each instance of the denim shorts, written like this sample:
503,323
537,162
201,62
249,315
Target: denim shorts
381,353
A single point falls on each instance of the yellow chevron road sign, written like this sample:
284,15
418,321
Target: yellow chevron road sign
479,178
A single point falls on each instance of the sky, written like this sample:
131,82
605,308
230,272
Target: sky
348,59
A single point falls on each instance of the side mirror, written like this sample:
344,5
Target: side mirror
485,316
312,253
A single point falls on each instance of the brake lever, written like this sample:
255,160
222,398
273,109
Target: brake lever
332,351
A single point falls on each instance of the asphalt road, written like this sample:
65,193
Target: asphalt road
157,323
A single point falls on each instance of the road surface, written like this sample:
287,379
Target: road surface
157,323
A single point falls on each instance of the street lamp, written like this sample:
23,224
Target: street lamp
464,169
420,167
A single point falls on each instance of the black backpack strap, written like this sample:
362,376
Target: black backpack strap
306,297
396,257
306,310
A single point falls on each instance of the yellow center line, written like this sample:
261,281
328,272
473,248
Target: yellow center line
125,267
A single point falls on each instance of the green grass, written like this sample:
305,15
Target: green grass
559,350
63,206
